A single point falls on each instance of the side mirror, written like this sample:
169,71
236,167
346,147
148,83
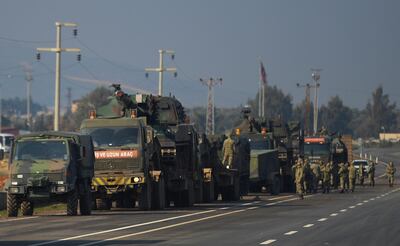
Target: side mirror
82,151
1,154
149,134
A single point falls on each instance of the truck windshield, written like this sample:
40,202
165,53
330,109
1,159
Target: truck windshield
113,136
41,150
316,149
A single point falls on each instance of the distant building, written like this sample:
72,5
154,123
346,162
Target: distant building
391,137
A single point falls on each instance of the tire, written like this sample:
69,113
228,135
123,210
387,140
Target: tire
158,195
198,193
236,190
226,193
275,186
145,197
208,191
12,205
72,202
85,203
185,198
128,200
103,204
27,208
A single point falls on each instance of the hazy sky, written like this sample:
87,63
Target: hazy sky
356,42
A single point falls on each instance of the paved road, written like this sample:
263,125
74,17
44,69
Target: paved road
367,217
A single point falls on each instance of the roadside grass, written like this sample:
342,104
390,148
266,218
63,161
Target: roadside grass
42,209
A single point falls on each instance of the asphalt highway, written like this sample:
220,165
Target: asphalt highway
369,216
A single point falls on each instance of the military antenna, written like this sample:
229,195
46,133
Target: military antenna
210,83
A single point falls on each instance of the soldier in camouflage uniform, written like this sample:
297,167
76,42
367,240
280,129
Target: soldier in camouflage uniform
316,175
352,176
390,171
334,175
298,170
371,173
307,176
326,177
361,174
228,151
343,175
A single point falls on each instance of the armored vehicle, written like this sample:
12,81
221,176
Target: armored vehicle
176,137
127,166
51,166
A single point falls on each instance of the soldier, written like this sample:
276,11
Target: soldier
390,170
334,175
298,170
326,177
371,173
307,176
228,151
361,174
342,176
352,176
316,175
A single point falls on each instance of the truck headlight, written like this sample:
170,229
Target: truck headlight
20,176
60,188
136,179
14,183
14,190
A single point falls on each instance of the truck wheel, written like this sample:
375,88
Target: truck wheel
226,193
208,191
128,200
145,197
72,202
158,199
103,204
85,203
276,185
236,190
27,208
198,193
12,205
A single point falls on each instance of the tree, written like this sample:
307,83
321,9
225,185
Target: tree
335,116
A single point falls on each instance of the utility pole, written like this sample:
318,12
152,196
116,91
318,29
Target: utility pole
28,77
1,108
308,107
210,83
58,50
161,69
316,76
69,99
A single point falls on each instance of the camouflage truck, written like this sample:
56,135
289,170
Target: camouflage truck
50,166
127,165
230,183
176,137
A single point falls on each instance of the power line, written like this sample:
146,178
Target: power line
29,41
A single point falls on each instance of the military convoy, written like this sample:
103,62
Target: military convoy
50,166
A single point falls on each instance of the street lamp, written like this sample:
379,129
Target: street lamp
316,77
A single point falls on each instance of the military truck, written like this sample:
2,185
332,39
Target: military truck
127,165
231,182
50,166
176,137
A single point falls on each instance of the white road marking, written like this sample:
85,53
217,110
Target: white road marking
16,219
372,199
225,208
290,233
322,219
334,214
277,198
251,208
352,206
308,225
268,242
343,210
359,204
162,228
365,201
123,228
247,204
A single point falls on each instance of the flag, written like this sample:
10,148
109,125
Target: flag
263,74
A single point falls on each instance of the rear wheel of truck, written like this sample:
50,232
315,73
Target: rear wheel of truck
27,208
72,202
158,200
85,203
185,198
145,197
275,186
199,191
236,190
103,204
208,191
12,205
226,193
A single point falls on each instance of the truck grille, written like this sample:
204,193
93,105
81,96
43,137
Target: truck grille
116,165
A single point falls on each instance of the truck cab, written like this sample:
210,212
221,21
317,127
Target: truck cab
6,140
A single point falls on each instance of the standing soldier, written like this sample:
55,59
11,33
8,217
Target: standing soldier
361,174
228,151
307,176
334,175
352,176
390,170
371,173
342,176
326,177
298,170
316,175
